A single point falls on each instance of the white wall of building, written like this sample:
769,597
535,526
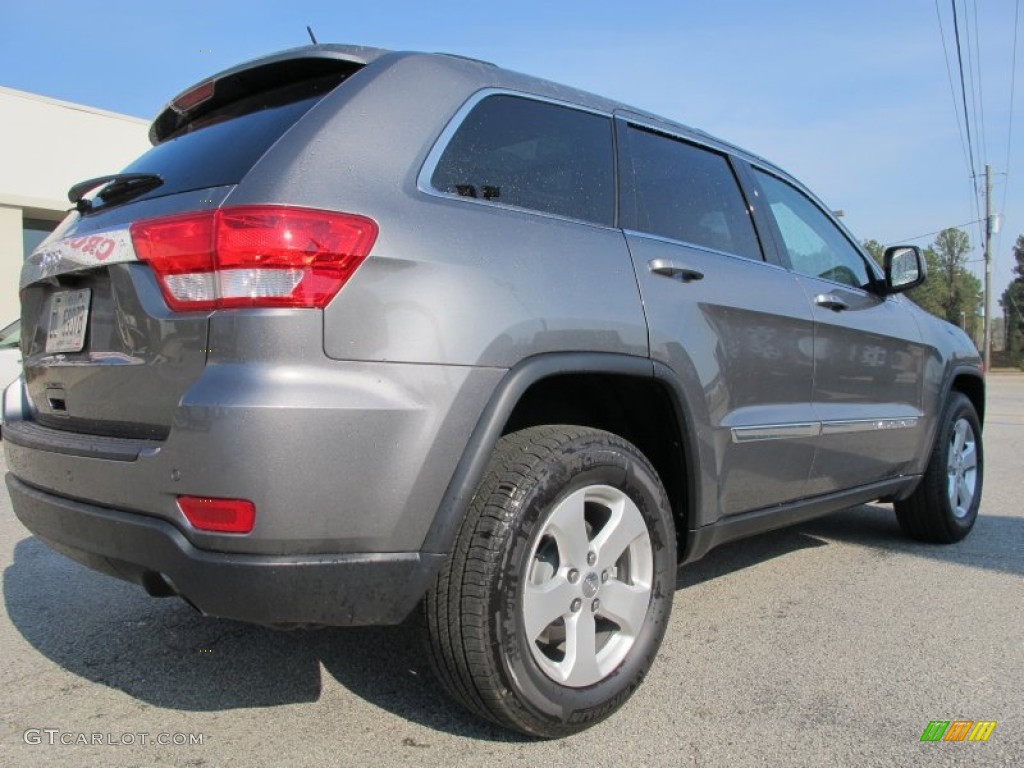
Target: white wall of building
10,263
46,146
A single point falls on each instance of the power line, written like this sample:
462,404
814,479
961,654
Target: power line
1013,78
1009,130
974,84
963,94
952,89
965,146
963,91
977,93
937,231
977,101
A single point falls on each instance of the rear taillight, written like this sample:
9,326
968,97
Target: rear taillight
220,515
253,256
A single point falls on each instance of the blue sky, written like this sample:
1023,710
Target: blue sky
851,98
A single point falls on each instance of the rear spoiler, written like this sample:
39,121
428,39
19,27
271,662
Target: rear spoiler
297,64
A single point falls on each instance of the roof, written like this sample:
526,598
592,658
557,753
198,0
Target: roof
486,73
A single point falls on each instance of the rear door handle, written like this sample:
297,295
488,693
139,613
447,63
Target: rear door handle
830,301
670,268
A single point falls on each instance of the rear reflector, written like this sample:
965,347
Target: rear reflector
220,515
253,256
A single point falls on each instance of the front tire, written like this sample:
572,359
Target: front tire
944,506
553,604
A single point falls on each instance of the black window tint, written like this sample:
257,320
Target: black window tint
222,146
815,246
689,194
535,155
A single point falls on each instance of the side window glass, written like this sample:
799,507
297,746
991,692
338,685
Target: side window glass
687,193
535,155
815,246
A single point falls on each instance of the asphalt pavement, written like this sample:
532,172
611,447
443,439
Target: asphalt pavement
832,643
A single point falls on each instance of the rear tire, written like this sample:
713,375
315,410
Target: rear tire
553,604
945,504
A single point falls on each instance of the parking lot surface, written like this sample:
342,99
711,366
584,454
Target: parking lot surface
832,643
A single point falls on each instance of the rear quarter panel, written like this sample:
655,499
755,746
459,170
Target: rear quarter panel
448,281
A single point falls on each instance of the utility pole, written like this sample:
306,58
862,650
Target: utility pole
987,343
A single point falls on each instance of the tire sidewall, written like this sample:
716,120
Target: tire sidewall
585,462
959,408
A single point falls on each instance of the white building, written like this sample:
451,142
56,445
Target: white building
46,146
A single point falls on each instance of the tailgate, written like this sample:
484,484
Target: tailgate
102,353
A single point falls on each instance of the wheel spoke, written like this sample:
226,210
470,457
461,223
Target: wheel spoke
966,495
959,433
580,663
625,526
625,604
962,468
970,456
569,529
544,603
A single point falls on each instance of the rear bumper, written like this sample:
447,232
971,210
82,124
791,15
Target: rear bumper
342,590
346,464
337,457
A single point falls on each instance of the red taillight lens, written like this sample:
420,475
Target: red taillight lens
220,515
253,256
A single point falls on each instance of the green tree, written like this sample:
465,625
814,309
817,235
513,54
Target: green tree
952,246
1012,302
951,291
877,251
971,318
933,295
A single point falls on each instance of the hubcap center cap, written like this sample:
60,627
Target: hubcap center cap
591,584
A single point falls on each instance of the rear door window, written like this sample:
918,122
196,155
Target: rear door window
688,193
532,154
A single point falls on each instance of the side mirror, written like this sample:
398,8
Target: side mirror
905,268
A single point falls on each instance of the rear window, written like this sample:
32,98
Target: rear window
221,146
532,154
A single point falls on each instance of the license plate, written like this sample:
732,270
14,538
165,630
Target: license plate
69,315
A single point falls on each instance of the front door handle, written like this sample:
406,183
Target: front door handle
830,301
670,268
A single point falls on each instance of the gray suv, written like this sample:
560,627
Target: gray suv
368,332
